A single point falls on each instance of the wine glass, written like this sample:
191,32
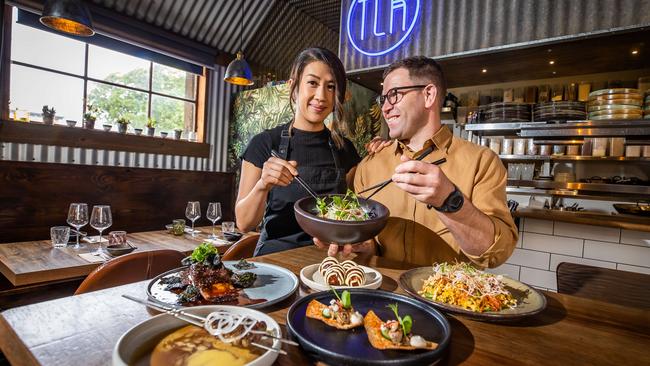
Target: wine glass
213,214
77,218
193,212
100,220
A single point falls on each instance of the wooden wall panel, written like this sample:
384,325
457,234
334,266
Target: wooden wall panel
36,196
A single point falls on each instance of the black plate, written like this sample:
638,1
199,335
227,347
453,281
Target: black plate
351,347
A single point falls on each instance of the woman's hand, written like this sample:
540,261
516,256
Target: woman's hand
366,247
277,172
376,145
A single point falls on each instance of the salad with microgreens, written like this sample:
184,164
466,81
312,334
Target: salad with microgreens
341,208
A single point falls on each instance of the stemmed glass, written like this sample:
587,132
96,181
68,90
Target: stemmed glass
213,214
193,212
77,218
100,220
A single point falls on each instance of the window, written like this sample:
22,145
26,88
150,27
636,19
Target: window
68,75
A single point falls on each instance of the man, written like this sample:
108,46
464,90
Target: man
452,212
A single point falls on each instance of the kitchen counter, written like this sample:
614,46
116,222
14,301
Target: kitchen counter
628,222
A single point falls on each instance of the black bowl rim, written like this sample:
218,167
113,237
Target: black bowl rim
415,359
298,209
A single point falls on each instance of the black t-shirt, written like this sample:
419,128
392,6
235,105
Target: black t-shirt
306,148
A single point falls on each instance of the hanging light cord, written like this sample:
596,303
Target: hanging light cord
241,30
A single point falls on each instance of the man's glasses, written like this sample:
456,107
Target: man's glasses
394,95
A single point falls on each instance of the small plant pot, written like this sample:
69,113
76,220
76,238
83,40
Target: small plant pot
151,131
48,120
71,123
177,134
107,127
121,128
138,131
163,135
89,124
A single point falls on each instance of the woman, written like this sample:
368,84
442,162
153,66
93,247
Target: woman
321,156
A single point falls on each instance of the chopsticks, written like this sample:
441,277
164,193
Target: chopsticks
383,184
199,321
298,178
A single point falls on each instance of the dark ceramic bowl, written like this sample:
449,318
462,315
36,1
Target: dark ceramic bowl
234,236
117,250
342,232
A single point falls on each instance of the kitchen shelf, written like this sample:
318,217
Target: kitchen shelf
600,196
628,222
574,158
624,128
626,189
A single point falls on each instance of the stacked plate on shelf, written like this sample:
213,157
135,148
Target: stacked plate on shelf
505,112
559,111
620,103
646,105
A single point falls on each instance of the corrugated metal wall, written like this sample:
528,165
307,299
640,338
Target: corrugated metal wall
454,27
218,121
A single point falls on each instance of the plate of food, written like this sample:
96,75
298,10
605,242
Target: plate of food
166,340
331,273
368,327
203,279
341,218
462,289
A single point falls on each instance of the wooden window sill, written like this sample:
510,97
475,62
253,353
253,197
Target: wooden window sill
38,133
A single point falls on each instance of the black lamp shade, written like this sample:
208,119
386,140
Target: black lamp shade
68,16
238,72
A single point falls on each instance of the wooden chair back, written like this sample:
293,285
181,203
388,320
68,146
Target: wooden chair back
129,268
603,284
244,248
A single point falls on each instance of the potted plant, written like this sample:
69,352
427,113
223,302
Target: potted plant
90,117
48,115
122,124
151,127
177,134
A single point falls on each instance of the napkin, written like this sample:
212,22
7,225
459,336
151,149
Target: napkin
94,239
89,257
218,242
189,230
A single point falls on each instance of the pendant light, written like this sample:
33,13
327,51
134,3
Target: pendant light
238,71
68,16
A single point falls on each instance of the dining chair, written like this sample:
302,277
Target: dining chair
244,248
603,284
129,268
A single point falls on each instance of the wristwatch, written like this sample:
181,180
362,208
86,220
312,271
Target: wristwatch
453,203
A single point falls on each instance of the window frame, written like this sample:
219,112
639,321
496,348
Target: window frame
198,102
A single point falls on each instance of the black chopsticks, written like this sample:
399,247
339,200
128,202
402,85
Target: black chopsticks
383,184
297,177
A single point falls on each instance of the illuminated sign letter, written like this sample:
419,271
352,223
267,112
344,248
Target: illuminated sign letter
385,35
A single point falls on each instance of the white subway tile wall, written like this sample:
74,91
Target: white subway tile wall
544,244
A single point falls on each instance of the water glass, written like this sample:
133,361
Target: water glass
213,214
228,227
77,218
60,236
101,219
193,212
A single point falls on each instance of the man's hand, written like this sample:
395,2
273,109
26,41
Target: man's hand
376,145
424,181
366,247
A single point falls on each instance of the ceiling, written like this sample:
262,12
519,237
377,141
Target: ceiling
577,57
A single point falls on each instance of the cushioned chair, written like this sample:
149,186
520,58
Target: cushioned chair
244,248
129,268
603,284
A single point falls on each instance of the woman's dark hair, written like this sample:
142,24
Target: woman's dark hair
328,57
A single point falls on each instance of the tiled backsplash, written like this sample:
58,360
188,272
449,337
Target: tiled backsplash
544,244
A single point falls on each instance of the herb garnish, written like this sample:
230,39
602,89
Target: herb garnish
405,322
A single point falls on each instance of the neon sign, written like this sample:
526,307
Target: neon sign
376,27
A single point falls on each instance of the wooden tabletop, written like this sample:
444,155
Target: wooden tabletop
82,330
33,262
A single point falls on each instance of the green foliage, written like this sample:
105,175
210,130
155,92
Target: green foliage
115,102
91,113
123,121
151,122
406,322
202,252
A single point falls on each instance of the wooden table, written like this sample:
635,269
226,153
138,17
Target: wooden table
35,262
82,330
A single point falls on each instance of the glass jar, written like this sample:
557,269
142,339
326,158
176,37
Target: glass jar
178,227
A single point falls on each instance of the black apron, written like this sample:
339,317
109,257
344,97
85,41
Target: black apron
280,231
